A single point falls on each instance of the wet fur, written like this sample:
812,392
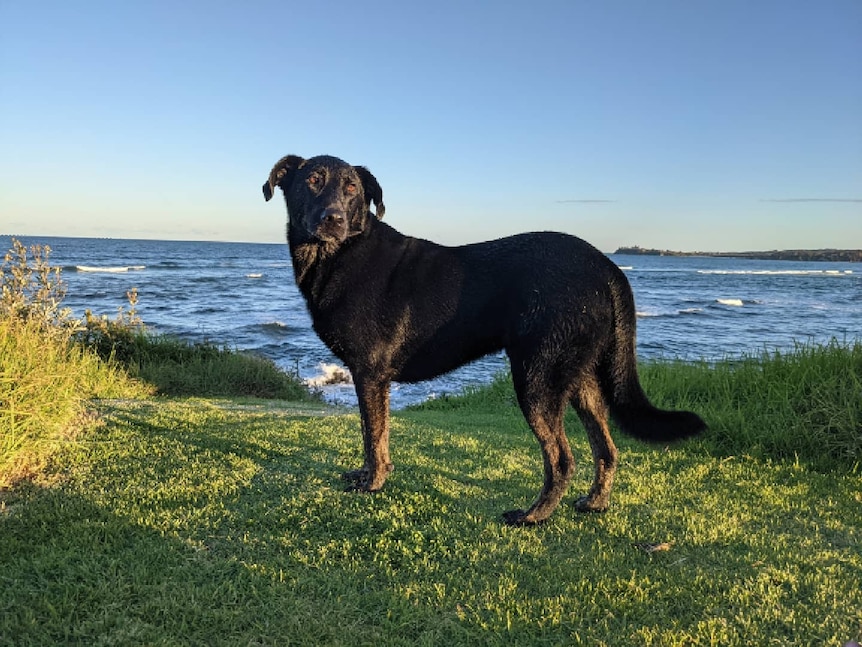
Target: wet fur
397,308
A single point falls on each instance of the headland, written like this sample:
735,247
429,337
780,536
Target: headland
839,255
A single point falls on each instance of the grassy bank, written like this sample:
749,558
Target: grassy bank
47,381
175,367
44,386
224,522
803,405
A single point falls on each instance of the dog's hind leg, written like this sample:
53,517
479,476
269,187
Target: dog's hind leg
543,407
374,409
592,409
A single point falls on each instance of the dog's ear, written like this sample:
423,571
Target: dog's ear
371,189
282,167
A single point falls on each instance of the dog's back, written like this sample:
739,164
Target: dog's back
434,308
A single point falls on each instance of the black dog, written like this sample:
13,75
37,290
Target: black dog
392,307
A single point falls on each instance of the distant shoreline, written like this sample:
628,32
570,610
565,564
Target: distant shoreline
839,255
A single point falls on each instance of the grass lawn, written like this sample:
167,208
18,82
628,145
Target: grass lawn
223,522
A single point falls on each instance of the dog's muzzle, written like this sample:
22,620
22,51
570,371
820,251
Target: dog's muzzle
332,225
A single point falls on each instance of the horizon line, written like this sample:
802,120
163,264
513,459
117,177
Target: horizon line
852,200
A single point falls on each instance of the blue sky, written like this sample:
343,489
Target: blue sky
715,126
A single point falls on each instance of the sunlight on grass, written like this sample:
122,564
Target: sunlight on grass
193,522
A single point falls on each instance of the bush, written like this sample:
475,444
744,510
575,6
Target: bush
113,339
31,291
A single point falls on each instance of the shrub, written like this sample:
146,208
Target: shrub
32,291
113,339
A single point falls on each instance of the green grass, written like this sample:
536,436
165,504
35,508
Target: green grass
202,522
45,384
179,368
52,365
47,380
803,405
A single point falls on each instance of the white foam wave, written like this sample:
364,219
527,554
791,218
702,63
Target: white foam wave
644,314
254,275
274,326
110,270
736,303
330,374
779,272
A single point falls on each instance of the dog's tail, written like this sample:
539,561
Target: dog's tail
629,405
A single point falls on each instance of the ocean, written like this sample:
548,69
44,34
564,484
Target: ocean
243,295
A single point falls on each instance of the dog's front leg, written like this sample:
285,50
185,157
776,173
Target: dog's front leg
373,398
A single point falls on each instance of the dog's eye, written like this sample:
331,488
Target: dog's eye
315,180
350,188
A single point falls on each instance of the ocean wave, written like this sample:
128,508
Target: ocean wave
778,272
254,275
647,314
110,270
330,374
272,327
736,303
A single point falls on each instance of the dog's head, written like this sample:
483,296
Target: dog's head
328,200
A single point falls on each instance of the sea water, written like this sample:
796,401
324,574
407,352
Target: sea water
243,295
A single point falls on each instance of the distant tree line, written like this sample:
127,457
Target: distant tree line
842,255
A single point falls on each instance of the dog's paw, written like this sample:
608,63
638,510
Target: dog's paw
359,487
519,518
362,481
355,476
589,503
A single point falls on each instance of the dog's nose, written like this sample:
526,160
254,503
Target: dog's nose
333,216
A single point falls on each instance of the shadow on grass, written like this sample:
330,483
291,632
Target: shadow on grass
74,572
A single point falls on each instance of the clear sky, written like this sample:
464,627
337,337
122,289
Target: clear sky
721,125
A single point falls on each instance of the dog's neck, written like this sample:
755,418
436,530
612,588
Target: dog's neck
313,261
305,257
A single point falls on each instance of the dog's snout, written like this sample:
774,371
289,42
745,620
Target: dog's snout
331,225
333,216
